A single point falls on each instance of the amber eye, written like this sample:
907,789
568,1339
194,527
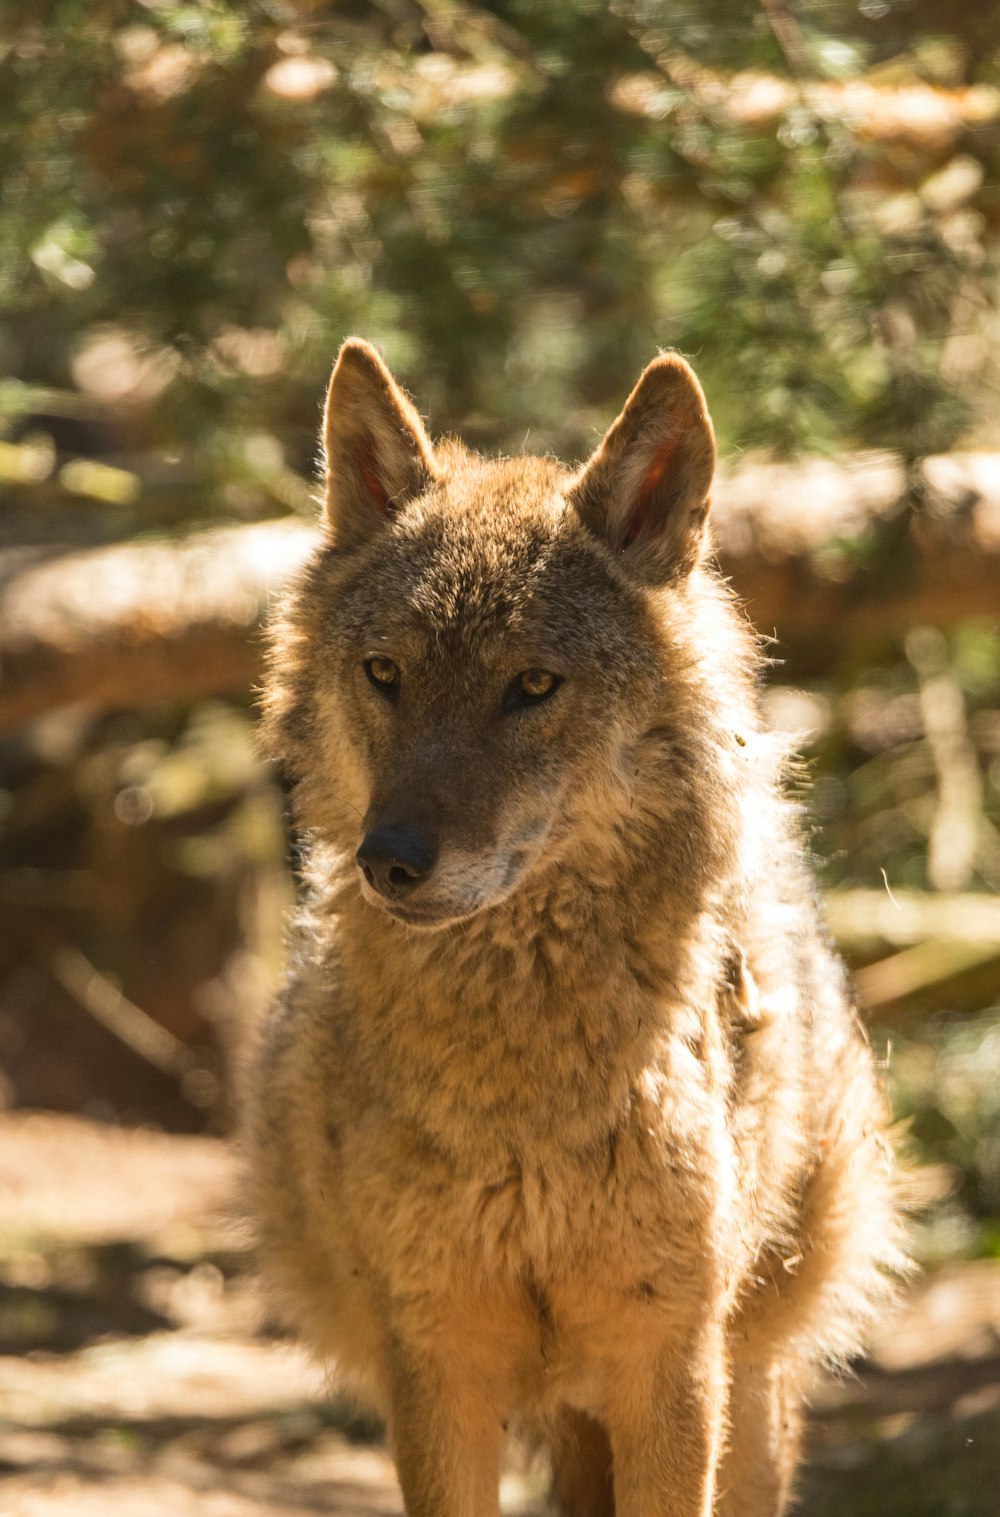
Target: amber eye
536,683
383,673
529,688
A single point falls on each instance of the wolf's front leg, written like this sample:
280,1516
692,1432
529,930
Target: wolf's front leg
446,1438
667,1429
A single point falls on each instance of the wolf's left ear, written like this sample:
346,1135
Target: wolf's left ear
645,489
378,455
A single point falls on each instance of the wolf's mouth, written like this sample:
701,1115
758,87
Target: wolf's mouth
426,916
429,917
428,920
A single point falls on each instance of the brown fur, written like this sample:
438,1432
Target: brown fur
581,1128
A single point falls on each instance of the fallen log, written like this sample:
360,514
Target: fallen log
866,922
917,949
819,551
127,626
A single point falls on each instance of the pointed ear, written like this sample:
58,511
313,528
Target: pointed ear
378,455
645,489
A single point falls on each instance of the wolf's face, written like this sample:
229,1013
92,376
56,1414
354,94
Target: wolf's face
491,655
489,675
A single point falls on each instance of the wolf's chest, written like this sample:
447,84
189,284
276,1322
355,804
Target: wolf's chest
629,1213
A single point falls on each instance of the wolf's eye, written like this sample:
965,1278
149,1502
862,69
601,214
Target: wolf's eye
534,683
383,673
530,687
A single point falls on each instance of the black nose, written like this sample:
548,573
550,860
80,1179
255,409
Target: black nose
394,860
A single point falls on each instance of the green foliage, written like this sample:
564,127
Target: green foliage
874,789
946,1088
520,202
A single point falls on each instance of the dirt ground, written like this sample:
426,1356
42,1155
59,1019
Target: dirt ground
138,1377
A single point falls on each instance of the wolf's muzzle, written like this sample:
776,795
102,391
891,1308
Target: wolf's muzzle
396,860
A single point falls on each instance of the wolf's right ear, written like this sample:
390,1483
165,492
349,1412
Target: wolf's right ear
644,490
378,455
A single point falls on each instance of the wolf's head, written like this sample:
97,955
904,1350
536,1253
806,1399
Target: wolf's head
472,679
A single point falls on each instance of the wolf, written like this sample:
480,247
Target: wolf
565,1119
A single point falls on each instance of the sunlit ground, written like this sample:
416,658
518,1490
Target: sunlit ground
135,1377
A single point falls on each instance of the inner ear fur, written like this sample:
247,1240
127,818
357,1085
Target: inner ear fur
645,489
378,455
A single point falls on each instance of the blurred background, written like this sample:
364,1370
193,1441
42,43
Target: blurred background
519,203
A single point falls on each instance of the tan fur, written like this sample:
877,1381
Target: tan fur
576,1126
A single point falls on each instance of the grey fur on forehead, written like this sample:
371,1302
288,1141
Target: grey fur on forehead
485,562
